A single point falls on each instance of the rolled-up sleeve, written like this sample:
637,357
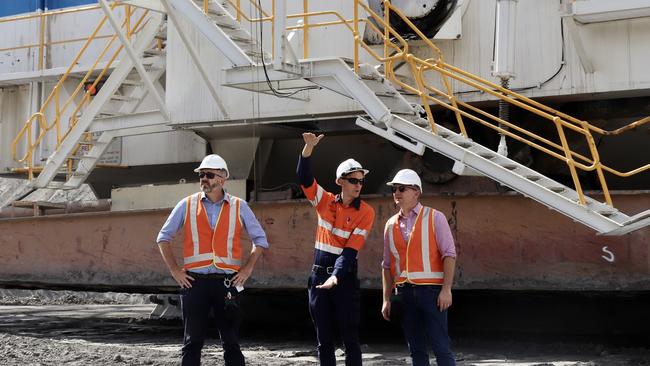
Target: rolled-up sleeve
252,226
444,237
174,223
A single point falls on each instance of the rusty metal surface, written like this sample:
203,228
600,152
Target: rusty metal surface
503,242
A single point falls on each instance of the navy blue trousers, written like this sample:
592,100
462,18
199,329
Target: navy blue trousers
338,306
424,323
205,295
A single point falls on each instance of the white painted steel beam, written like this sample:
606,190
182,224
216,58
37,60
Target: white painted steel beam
196,59
25,77
636,222
154,5
141,119
143,130
212,32
572,29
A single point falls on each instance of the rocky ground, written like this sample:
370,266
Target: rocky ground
83,328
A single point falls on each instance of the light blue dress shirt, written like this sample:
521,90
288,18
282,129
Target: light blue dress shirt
176,221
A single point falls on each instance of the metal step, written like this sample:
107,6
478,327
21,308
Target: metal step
123,98
132,82
213,9
83,157
154,52
93,143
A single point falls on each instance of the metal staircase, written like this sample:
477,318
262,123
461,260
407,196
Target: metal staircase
99,119
393,117
223,30
386,99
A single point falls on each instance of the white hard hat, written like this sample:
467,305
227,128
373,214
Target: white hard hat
406,177
349,166
213,161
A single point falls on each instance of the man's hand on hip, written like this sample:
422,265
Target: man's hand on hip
183,279
240,278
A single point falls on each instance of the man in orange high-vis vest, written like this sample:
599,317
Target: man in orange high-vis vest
344,222
418,266
214,271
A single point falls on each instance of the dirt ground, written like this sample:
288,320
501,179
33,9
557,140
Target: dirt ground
85,328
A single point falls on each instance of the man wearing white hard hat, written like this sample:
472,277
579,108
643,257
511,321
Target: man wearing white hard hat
418,268
344,222
214,270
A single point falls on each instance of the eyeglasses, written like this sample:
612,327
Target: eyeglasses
401,188
209,175
355,180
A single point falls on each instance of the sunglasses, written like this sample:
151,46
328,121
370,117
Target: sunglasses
355,180
401,188
209,175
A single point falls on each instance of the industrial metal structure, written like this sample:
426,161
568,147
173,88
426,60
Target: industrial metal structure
441,86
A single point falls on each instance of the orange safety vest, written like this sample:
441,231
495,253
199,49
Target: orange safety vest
419,260
204,246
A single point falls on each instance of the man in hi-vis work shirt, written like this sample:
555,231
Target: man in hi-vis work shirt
212,276
344,222
418,266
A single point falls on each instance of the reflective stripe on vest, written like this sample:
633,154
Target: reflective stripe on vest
328,248
210,251
338,232
412,261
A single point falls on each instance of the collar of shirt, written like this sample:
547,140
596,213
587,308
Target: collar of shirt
356,203
413,213
226,197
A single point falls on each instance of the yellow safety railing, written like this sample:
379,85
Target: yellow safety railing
43,18
396,51
45,124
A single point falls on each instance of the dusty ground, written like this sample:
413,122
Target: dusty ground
81,328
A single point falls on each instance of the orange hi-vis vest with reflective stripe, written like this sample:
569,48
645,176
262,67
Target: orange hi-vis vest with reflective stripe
204,246
338,226
419,260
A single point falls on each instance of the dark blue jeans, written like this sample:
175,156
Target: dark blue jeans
208,294
424,323
336,306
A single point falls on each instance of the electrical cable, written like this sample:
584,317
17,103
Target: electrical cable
277,93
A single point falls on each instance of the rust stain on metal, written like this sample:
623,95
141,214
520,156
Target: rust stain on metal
504,242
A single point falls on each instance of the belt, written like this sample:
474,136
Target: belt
322,269
215,276
317,268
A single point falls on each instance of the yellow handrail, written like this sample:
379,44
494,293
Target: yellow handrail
43,18
44,126
418,67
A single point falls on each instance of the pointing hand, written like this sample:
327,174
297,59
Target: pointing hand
311,139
